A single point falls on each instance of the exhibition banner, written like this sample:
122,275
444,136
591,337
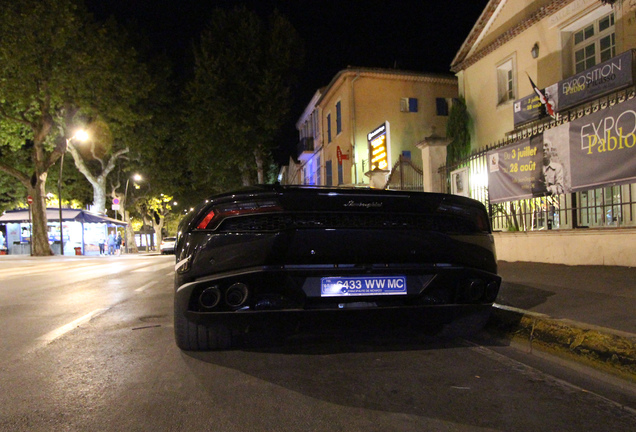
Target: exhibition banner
528,109
514,172
592,151
602,150
611,75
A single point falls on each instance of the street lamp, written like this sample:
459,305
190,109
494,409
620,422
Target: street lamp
80,135
135,177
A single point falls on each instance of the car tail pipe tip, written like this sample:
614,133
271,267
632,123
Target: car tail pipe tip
492,289
236,295
474,289
210,298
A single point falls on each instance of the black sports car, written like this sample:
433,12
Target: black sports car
280,253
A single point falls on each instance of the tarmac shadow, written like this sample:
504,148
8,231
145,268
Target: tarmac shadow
522,296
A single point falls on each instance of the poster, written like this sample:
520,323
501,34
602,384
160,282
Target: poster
592,151
515,172
459,182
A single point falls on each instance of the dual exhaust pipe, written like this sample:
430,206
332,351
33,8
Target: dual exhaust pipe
234,297
476,289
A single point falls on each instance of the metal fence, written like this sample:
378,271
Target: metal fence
405,175
611,206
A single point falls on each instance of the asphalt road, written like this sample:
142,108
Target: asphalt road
87,344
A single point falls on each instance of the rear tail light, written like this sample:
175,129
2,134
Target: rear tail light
216,214
470,213
206,220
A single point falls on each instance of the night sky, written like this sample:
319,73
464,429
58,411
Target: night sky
415,35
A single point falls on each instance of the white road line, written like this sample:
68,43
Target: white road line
144,287
40,268
51,336
153,268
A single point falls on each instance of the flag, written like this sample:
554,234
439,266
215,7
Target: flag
549,107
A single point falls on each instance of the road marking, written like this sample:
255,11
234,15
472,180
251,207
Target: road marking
153,268
144,287
40,268
51,336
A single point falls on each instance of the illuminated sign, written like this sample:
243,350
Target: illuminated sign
379,147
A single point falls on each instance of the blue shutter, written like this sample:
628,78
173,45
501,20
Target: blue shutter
442,106
412,105
328,173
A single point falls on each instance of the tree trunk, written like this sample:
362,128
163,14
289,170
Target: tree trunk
259,167
131,244
39,224
97,181
159,228
245,176
99,195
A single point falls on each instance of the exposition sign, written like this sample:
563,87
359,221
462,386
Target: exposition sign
605,77
592,151
528,109
611,75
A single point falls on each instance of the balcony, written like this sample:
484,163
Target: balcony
305,148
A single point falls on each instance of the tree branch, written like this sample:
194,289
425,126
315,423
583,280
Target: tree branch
22,177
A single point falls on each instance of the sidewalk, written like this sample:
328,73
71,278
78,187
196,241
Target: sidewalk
583,312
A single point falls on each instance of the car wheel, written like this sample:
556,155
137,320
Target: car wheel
196,337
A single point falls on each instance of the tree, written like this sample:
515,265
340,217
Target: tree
154,211
457,132
57,68
113,116
240,95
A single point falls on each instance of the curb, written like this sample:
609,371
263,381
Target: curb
602,348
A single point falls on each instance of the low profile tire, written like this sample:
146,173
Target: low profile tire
196,337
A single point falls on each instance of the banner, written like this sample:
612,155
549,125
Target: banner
602,150
527,109
611,75
592,151
514,172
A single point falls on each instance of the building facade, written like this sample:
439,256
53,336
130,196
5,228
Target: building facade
549,86
355,130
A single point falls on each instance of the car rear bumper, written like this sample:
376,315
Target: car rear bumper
291,292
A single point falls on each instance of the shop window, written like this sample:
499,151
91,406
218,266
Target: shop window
506,82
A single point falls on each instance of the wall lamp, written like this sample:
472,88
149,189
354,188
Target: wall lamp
535,50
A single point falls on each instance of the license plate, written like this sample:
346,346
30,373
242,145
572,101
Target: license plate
362,286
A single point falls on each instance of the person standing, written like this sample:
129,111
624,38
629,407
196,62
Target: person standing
118,244
111,243
102,242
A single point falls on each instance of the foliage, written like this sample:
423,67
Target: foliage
239,97
457,132
59,71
